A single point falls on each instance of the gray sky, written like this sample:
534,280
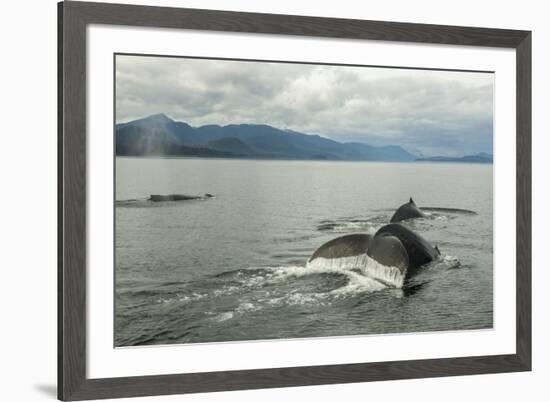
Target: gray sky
432,112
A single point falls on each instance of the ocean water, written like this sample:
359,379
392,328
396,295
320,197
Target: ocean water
233,267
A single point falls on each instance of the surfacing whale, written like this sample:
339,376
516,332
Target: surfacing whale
407,211
390,256
178,197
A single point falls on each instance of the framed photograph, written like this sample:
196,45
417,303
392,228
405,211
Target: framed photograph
256,201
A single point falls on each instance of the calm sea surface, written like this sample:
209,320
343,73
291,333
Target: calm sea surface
233,267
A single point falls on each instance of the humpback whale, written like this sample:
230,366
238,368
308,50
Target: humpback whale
177,197
365,253
397,253
407,211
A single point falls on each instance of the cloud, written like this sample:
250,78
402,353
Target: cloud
432,112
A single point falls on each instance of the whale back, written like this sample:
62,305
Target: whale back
407,211
177,197
419,250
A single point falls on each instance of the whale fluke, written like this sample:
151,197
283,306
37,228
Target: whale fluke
389,251
407,211
344,246
362,252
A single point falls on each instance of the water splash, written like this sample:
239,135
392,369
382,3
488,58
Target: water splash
370,268
448,262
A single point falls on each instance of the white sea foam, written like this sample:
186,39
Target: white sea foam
305,298
297,298
225,290
244,307
448,261
372,276
192,297
359,283
224,316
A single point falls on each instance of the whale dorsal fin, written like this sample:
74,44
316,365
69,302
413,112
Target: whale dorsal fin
411,200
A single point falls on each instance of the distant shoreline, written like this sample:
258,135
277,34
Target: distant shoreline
464,159
418,161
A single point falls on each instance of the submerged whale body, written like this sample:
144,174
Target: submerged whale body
177,197
407,211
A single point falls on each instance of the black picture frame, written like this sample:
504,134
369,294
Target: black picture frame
73,18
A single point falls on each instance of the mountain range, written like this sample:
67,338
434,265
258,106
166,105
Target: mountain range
160,135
